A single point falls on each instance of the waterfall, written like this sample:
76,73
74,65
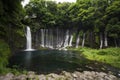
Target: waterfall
29,40
66,39
71,38
83,41
55,38
77,41
106,41
42,37
49,38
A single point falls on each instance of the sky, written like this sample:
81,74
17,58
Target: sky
27,1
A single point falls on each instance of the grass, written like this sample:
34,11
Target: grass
109,55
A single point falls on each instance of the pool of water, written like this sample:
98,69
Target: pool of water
47,61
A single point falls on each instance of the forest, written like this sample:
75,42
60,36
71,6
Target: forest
91,27
95,23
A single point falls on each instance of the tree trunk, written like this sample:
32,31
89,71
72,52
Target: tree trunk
91,39
83,41
119,42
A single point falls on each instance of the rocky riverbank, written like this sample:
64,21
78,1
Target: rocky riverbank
85,75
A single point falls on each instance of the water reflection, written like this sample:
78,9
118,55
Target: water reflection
47,61
27,59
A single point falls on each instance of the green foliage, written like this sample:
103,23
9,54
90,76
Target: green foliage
48,14
4,55
102,53
11,27
45,14
109,51
109,55
11,30
84,15
17,71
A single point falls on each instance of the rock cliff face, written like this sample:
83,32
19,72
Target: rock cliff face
85,75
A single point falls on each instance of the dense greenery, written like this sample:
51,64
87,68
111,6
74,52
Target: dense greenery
109,55
4,55
95,21
11,27
11,30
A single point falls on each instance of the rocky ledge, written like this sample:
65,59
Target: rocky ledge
85,75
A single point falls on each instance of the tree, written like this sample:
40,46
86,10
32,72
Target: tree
11,14
113,24
93,20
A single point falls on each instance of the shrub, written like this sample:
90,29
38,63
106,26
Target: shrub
4,54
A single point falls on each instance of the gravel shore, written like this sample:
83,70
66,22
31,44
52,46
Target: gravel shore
85,75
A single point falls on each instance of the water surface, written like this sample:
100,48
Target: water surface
47,61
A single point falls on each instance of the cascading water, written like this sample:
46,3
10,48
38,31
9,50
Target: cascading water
42,37
71,38
78,40
55,38
29,40
66,39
